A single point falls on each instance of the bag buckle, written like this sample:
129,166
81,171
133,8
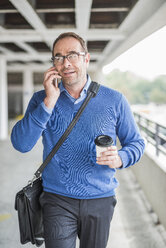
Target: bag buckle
32,181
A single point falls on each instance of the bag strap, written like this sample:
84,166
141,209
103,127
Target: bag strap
92,91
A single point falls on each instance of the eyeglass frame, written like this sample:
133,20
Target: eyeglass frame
66,56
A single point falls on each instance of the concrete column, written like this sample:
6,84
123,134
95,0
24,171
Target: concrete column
28,88
3,100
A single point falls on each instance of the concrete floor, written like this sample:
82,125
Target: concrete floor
132,226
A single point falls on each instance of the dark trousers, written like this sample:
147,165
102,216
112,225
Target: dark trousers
66,218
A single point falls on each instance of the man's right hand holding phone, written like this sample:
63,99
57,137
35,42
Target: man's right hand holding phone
50,83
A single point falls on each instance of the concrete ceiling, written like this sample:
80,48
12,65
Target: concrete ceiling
29,27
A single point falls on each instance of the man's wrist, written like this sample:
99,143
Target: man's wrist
49,103
120,162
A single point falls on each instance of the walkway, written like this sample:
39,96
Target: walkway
132,225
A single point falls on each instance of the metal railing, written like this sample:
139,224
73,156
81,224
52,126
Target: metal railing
154,132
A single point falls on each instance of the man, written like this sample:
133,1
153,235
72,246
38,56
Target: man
79,190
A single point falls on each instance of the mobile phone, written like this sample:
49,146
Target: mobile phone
55,81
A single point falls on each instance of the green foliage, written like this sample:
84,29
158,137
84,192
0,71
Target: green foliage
138,90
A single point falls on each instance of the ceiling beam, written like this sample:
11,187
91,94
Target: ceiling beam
29,57
105,34
120,9
68,10
38,56
31,35
29,14
6,51
27,11
37,67
4,11
55,10
26,47
83,10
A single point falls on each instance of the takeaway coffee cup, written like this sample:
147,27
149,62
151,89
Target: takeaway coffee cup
102,142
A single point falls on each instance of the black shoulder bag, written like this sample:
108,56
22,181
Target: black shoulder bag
27,200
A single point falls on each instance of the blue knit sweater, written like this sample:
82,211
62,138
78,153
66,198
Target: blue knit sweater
73,171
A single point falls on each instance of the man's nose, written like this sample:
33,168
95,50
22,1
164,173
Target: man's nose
66,62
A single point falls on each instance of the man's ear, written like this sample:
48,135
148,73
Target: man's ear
87,59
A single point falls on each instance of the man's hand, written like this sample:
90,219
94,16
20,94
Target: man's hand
110,158
51,87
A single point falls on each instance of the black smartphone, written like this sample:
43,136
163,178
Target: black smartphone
55,81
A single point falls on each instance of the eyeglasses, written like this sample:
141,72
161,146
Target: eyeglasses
72,58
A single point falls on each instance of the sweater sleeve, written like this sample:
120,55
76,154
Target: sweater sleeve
129,136
27,131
